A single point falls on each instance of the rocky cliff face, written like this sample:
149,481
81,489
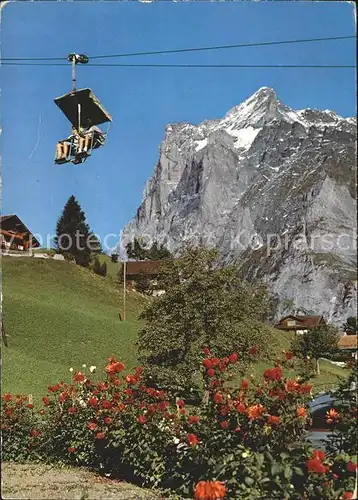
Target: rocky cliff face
274,189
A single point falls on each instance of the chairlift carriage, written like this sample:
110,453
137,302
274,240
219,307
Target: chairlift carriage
84,111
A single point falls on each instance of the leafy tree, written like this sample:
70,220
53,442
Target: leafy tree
137,250
73,233
143,283
351,326
316,343
104,269
114,257
204,305
97,267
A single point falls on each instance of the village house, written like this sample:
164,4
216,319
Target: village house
148,268
299,324
14,235
348,344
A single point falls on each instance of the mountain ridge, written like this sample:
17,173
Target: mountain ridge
262,172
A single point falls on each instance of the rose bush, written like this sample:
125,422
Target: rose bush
245,439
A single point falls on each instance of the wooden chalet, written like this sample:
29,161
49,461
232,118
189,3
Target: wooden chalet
138,268
14,235
299,324
348,343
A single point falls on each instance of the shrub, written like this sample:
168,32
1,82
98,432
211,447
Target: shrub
244,441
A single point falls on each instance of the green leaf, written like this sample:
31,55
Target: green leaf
249,481
276,469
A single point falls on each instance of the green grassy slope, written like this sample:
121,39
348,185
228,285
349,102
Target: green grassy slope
58,315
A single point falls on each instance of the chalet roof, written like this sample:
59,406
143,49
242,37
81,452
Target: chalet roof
149,267
304,321
348,342
13,223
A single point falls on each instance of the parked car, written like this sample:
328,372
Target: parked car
319,406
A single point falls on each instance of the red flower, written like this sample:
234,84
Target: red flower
71,449
93,402
35,433
210,490
241,408
315,465
108,420
215,361
244,384
351,467
100,435
180,403
255,411
211,372
139,370
289,355
272,419
233,357
207,363
107,404
92,426
30,406
79,377
7,396
238,429
224,410
46,401
347,495
206,351
142,419
102,386
182,411
163,405
224,424
42,411
253,351
192,439
193,419
332,416
218,398
302,412
306,388
72,409
273,373
131,379
319,454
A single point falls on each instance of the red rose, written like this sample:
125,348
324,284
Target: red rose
192,440
93,402
180,403
244,384
253,351
92,426
30,406
108,420
79,377
107,404
7,397
100,435
142,419
241,408
206,351
218,398
272,419
233,357
46,401
71,449
72,409
207,363
315,465
182,411
347,495
224,424
211,372
193,419
35,433
351,467
319,454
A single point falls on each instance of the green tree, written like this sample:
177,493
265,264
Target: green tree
142,283
73,234
318,342
350,325
114,257
138,250
204,305
97,267
104,269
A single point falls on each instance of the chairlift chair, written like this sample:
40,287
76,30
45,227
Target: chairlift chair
83,110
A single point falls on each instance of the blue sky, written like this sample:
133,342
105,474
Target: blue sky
143,101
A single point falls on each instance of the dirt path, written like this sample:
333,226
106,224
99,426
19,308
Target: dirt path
40,482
